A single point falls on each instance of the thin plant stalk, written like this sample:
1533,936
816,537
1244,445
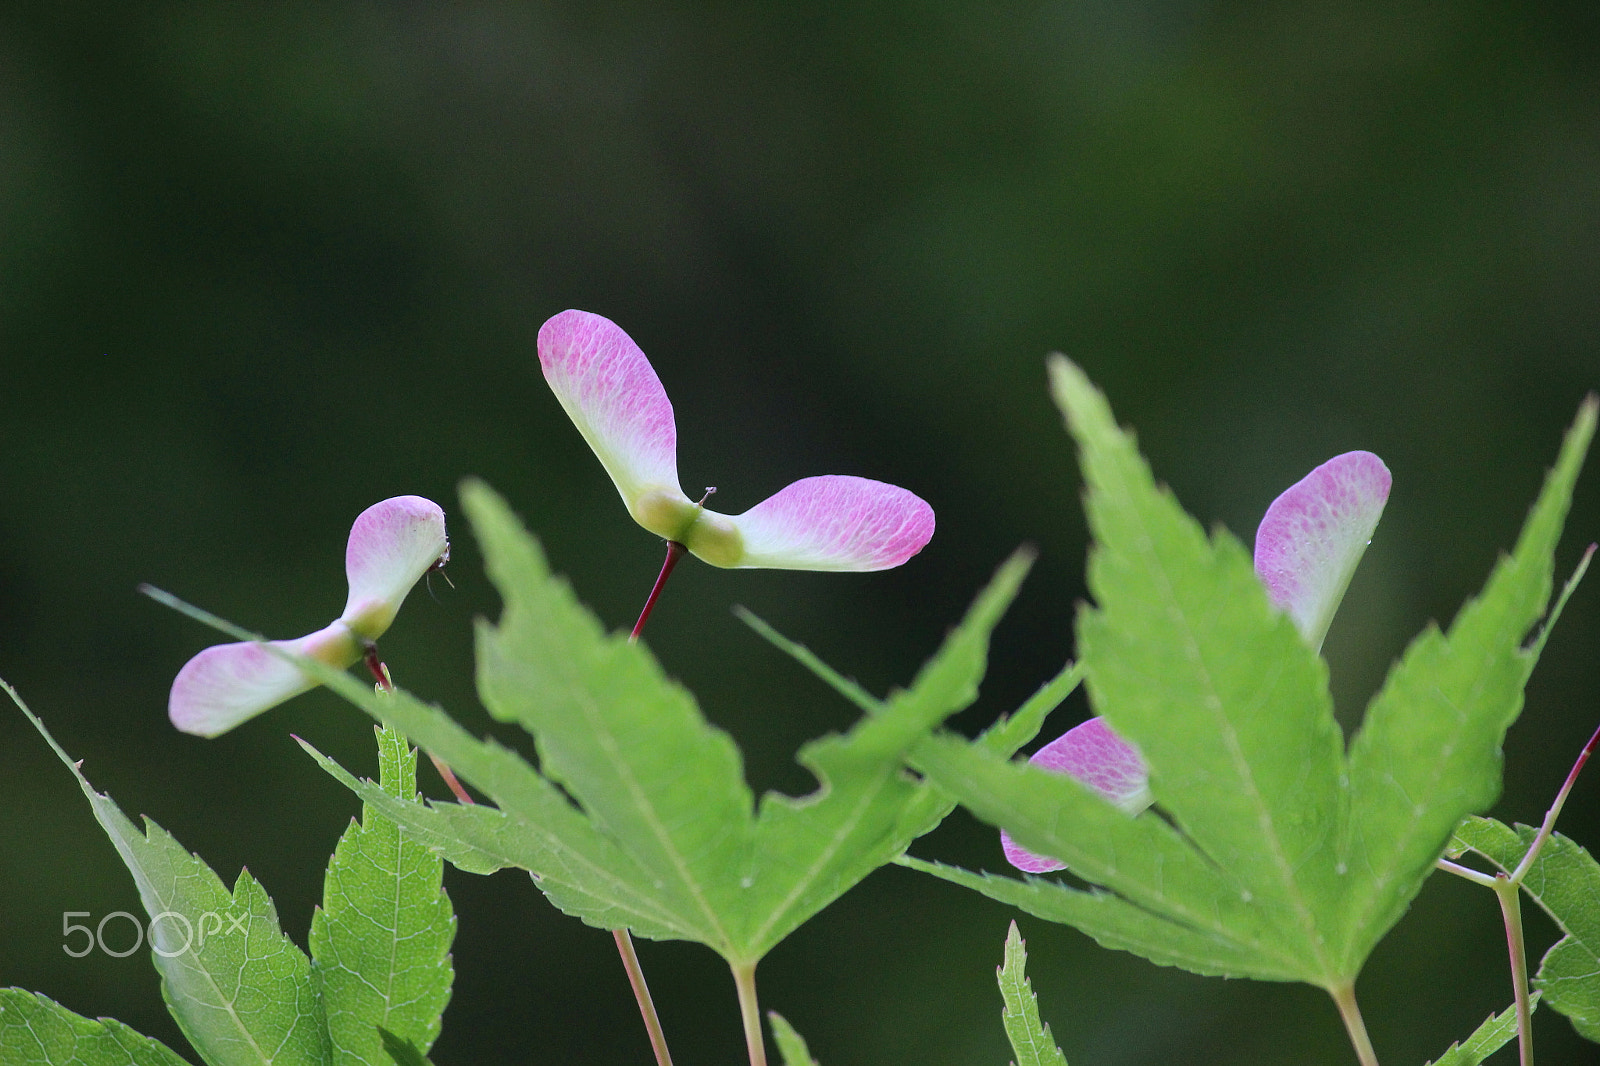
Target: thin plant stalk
623,938
744,979
1509,893
1507,888
385,682
1549,824
1466,873
624,941
675,552
1350,1013
641,993
449,777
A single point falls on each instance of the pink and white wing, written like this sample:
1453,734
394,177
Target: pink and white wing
228,684
1096,756
392,544
612,394
1314,534
834,522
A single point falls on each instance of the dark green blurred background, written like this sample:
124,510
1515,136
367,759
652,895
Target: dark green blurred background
262,265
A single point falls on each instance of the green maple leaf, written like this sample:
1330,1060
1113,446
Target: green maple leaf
638,814
1030,1039
1271,852
36,1031
240,990
380,942
790,1044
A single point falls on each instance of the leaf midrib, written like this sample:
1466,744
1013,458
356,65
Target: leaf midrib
642,802
1214,705
195,967
1179,910
824,857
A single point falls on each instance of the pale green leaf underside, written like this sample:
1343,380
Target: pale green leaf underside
790,1044
1030,1040
380,943
664,836
1565,881
1185,657
1173,895
1496,1032
243,996
1278,855
534,828
36,1031
634,751
1116,924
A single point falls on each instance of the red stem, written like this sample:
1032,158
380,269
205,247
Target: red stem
1583,757
674,553
630,958
1555,810
449,776
380,673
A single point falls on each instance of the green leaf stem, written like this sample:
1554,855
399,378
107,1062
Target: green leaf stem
1565,881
